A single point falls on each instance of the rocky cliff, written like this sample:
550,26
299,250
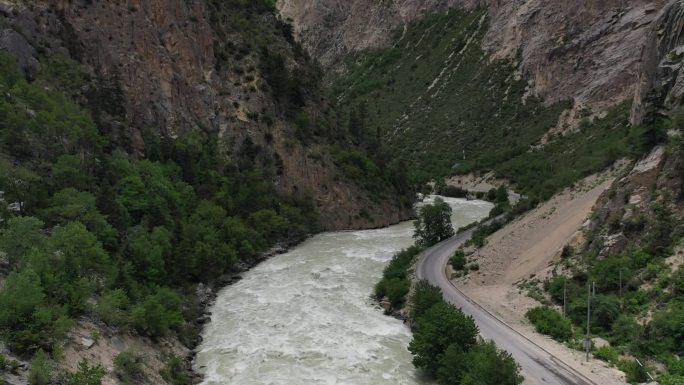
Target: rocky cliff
660,87
169,67
589,51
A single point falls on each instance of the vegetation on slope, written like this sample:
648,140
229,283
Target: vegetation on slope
446,108
638,304
91,231
435,96
101,234
268,59
596,145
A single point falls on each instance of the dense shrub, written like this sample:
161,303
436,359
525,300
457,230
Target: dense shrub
158,314
41,369
174,372
458,260
424,297
550,322
395,283
128,368
445,345
453,192
635,373
665,333
86,375
606,353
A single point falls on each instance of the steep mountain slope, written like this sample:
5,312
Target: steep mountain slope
482,87
569,50
149,148
170,67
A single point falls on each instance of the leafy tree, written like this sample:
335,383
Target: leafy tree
149,251
22,186
425,297
452,366
205,248
433,224
20,236
41,369
605,310
70,205
489,366
27,323
71,171
625,330
112,307
267,222
158,314
61,72
441,326
80,265
86,375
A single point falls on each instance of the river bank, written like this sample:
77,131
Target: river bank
307,316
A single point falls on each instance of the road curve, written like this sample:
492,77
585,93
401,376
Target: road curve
538,365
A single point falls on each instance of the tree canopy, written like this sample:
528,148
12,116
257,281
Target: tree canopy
433,224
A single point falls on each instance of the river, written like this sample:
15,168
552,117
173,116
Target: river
306,317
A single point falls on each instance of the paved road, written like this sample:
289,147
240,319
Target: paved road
538,366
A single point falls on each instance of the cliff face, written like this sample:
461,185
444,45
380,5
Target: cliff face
589,51
660,86
169,67
331,29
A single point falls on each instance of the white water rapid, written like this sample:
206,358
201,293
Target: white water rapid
306,317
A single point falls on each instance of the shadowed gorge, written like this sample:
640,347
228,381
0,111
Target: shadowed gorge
211,191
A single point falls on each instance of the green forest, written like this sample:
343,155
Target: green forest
92,231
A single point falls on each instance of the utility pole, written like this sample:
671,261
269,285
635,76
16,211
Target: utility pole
565,280
587,340
620,289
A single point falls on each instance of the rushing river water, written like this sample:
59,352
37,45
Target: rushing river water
306,317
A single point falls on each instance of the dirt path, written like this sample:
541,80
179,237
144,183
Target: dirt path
527,248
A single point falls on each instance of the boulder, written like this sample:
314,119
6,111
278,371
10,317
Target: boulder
87,342
598,343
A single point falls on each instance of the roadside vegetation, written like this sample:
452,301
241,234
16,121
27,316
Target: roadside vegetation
638,305
431,227
445,342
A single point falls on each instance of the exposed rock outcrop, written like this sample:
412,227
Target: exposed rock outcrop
660,86
588,51
174,66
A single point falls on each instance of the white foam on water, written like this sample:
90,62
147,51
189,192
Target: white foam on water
306,317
